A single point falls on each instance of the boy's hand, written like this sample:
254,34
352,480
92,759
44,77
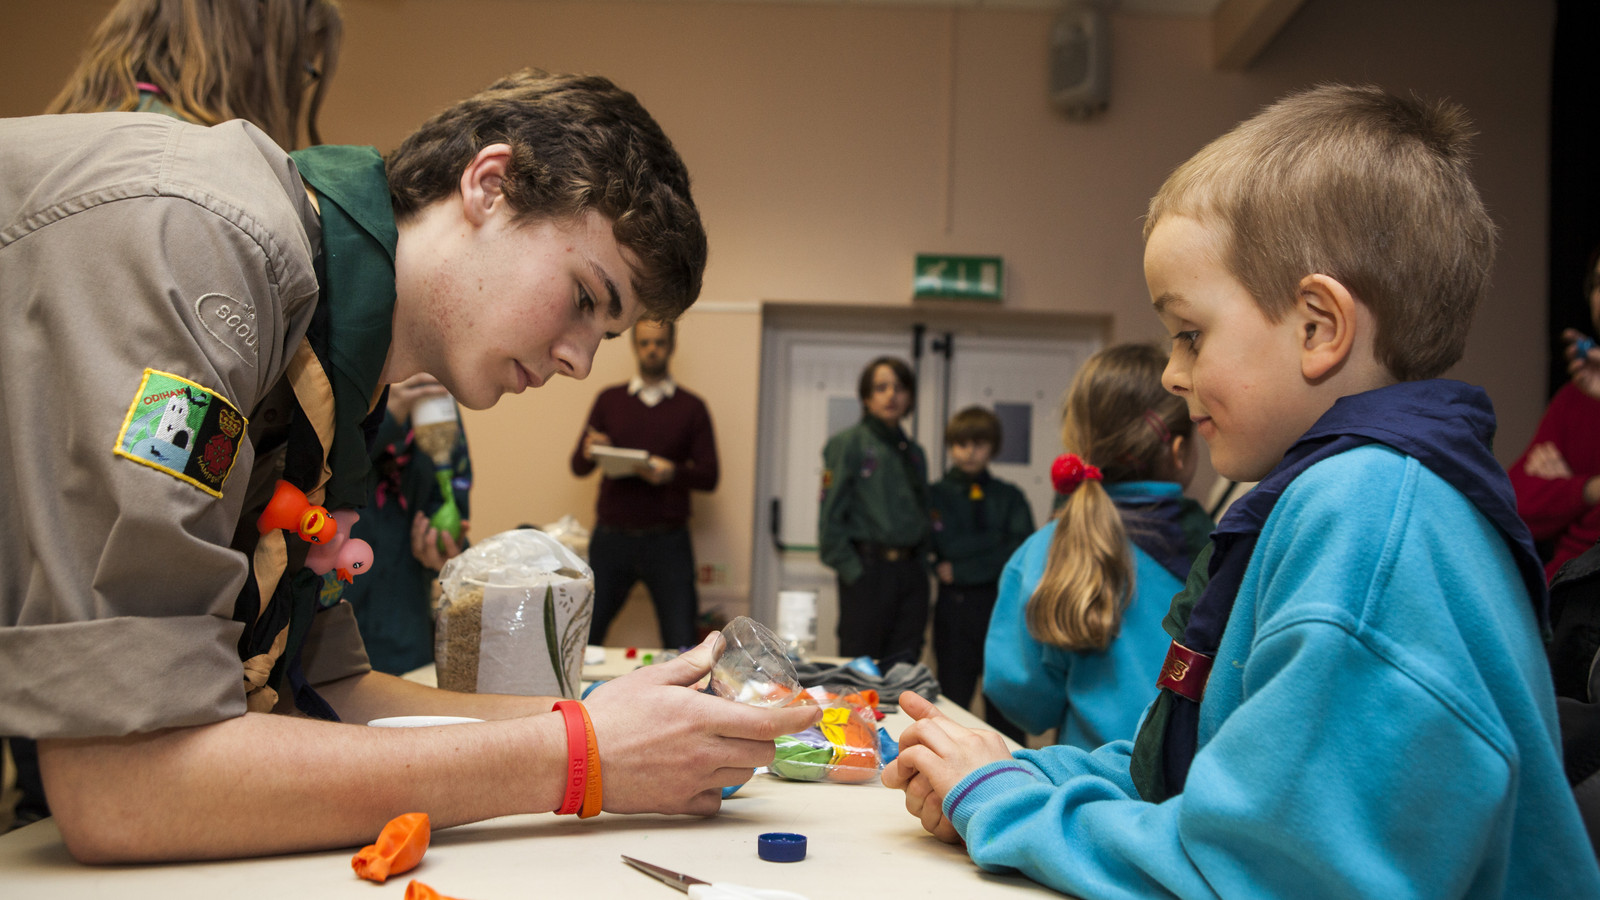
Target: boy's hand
405,395
935,754
653,715
432,547
1585,369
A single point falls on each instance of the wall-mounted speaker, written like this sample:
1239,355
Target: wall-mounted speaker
1080,60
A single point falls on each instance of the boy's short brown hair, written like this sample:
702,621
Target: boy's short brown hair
973,425
1367,188
578,143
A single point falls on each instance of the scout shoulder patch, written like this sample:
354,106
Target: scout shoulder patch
182,429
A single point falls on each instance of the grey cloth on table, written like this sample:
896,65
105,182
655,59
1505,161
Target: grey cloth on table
903,676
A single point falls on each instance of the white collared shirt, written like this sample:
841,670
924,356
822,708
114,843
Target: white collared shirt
651,394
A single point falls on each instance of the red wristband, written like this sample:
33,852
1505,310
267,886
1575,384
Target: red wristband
577,755
591,792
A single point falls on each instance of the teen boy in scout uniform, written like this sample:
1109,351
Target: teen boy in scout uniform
147,625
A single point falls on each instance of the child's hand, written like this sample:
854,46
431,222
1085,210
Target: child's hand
405,395
945,571
935,754
432,547
1585,368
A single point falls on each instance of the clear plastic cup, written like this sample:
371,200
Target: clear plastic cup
753,668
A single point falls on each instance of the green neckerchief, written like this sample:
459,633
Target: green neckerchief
963,483
358,244
1145,765
895,438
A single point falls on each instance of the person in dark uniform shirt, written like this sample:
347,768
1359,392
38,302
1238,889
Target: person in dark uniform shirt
873,526
978,522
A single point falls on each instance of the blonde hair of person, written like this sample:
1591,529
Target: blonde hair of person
1119,419
213,60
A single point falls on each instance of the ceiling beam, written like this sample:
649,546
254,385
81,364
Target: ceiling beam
1241,29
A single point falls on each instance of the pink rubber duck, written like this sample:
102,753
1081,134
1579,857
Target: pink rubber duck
345,556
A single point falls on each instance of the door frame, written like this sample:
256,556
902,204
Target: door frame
782,322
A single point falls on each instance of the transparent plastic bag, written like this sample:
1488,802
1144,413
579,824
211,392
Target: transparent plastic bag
845,747
514,617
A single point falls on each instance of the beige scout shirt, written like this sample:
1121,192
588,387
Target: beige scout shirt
129,242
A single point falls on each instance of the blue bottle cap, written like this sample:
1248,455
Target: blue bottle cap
781,846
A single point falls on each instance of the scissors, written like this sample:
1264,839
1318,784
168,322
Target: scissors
705,890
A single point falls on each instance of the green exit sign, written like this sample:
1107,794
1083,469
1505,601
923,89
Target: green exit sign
960,277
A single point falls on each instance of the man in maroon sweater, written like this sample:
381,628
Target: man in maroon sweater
641,528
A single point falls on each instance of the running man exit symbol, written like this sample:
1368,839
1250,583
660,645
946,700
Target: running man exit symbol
961,277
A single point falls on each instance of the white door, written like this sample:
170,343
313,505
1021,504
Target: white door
809,377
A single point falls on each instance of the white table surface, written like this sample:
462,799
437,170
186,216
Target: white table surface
861,843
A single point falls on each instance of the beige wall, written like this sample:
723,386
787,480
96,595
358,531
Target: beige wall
831,142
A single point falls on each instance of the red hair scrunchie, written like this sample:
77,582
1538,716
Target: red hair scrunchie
1069,470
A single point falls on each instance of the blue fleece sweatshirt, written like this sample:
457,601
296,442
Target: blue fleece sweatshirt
1379,723
1092,697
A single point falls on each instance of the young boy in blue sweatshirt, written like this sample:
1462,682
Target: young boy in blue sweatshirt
1356,702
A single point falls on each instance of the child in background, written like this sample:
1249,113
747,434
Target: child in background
978,521
872,525
208,61
1379,721
393,602
1076,641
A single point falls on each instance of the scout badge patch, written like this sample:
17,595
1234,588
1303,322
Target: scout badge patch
182,429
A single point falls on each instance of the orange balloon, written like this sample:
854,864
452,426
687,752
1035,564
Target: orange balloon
398,849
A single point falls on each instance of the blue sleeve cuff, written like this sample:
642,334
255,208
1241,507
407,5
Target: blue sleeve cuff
984,784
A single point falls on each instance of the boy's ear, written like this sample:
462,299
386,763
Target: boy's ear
481,181
1327,317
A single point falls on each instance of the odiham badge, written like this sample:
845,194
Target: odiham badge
178,427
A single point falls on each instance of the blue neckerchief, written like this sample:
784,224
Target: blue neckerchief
1447,426
1152,514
